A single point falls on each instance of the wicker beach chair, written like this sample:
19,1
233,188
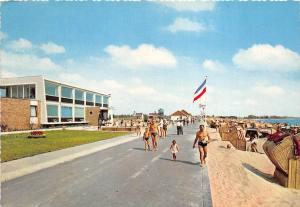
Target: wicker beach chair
280,153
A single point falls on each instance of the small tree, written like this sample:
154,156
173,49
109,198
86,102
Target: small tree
161,112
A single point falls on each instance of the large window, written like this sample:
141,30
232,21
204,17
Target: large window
98,99
26,91
79,95
79,112
105,100
20,91
3,92
66,92
89,97
32,91
14,91
8,91
52,111
66,112
51,88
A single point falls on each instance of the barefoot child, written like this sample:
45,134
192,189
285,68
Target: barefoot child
146,138
174,149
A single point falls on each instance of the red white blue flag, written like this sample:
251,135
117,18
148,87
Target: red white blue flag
200,91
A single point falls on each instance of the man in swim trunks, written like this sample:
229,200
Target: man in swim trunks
154,133
202,137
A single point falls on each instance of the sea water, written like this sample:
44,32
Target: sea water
289,121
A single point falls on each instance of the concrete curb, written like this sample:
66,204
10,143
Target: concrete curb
17,168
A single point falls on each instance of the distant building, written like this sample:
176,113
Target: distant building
139,116
179,115
153,115
34,102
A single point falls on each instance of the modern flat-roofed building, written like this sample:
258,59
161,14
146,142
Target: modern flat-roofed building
34,102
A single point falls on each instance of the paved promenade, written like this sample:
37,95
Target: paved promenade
123,175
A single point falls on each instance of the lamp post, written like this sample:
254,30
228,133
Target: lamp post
202,111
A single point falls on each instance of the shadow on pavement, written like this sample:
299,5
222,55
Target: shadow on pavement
182,161
265,176
141,149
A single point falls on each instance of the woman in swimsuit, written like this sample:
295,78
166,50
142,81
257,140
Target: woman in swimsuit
154,132
202,137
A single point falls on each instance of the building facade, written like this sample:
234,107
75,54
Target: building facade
36,102
179,115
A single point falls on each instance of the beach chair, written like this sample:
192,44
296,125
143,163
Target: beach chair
281,154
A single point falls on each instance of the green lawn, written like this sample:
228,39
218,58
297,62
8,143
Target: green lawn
16,146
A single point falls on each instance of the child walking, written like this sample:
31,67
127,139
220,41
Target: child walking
146,139
174,149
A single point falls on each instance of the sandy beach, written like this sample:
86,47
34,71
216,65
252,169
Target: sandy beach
240,178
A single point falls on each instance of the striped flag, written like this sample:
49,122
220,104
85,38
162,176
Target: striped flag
200,91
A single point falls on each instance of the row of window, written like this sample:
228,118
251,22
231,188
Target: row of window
51,89
18,91
65,111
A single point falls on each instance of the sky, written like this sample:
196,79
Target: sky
153,54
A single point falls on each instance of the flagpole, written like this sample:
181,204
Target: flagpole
201,90
203,106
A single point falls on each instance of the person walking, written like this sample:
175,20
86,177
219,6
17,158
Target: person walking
138,129
174,149
203,138
154,133
181,127
161,124
165,128
146,139
178,127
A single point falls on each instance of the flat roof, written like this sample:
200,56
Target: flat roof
45,79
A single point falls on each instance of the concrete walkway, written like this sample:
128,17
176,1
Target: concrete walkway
27,165
123,175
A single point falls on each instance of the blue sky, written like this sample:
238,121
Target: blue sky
150,55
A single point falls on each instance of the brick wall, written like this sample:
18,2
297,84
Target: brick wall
15,113
92,115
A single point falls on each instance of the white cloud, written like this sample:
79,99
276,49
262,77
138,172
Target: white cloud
189,5
269,90
267,57
113,85
213,65
18,62
144,56
20,44
185,25
71,78
142,89
52,48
